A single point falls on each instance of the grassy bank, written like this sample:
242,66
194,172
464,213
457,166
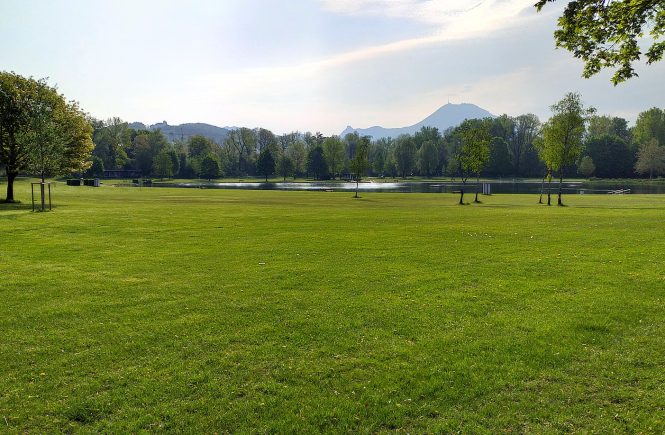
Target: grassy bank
221,310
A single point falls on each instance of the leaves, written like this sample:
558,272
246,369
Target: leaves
607,34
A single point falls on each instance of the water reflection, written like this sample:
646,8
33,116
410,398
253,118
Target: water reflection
577,187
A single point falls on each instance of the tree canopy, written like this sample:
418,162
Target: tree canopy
607,34
40,131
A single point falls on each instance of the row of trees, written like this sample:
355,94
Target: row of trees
607,148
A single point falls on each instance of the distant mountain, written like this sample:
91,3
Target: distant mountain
185,131
449,115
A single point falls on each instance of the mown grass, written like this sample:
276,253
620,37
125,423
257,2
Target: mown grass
128,310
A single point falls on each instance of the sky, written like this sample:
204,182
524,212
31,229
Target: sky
305,65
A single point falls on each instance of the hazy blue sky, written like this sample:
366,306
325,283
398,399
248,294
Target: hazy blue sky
303,65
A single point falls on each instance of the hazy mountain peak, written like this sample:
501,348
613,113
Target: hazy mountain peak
446,116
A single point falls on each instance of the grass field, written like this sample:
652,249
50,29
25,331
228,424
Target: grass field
129,310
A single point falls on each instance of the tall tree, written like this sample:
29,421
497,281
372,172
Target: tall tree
40,130
162,165
525,130
405,154
474,152
298,155
209,167
334,152
607,34
611,156
359,161
563,135
650,124
428,158
265,164
650,159
316,162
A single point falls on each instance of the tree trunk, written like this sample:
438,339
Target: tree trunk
477,184
11,176
542,187
357,181
549,192
560,187
461,196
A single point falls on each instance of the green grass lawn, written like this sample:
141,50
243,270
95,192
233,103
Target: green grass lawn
192,310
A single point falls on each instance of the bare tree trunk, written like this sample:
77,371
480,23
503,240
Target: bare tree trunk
11,176
477,184
461,195
549,191
560,187
542,188
357,181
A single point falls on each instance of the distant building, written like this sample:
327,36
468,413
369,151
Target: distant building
122,173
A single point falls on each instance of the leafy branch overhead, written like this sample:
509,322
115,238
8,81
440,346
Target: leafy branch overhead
608,33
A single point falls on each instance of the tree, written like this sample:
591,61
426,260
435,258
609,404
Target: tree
650,124
39,130
359,161
563,134
96,168
474,152
650,159
284,165
162,165
586,167
499,164
316,163
405,154
265,164
525,130
606,34
333,151
199,146
209,167
428,158
611,156
298,155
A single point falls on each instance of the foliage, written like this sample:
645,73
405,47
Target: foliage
162,165
563,135
333,152
40,130
651,159
316,162
474,152
611,155
209,167
96,168
285,166
405,155
607,34
586,167
428,158
650,124
265,164
199,146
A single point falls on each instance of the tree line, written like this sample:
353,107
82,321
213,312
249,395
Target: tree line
43,134
607,148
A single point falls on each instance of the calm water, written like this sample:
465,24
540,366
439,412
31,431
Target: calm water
430,187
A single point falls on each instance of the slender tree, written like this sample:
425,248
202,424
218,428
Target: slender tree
359,161
474,152
650,159
563,135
